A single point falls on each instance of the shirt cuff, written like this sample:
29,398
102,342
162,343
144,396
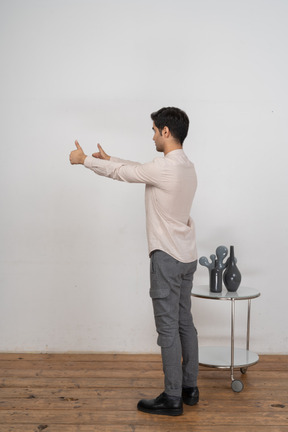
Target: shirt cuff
92,162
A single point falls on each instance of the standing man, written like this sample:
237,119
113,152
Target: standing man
170,188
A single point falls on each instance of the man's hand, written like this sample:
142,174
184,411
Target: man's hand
77,156
101,154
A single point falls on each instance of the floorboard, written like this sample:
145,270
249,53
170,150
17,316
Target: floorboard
99,393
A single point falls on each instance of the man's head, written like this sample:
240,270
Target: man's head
174,119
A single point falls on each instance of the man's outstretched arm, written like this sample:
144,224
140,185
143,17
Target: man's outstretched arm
118,169
78,156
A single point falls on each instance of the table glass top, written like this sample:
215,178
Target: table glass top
243,293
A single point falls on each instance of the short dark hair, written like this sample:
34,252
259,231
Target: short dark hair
175,119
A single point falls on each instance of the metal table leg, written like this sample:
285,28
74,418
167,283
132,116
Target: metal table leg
232,337
248,325
244,369
237,385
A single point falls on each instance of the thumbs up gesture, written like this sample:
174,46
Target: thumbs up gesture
77,156
101,153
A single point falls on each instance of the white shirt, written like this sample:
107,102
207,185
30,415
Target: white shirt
170,188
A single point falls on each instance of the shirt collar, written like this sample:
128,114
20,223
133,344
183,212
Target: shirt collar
174,153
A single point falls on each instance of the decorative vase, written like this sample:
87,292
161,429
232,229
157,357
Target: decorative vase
215,280
232,275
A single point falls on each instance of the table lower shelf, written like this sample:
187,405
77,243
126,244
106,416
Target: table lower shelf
220,357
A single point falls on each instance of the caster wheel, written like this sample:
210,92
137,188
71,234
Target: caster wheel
237,386
243,370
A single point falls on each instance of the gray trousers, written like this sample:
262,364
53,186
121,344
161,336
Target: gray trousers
171,285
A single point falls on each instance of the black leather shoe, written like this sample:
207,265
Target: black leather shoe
190,395
163,404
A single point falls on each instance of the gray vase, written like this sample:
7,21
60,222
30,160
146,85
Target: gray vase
232,275
215,280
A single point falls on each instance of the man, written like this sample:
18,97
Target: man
170,188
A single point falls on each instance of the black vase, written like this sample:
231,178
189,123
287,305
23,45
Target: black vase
232,275
216,279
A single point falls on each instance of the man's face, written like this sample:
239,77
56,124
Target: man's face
158,139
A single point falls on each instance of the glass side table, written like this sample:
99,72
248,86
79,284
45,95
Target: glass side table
229,357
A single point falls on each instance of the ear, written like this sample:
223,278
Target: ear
166,132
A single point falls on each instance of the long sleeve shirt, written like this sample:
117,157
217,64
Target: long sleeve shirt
170,188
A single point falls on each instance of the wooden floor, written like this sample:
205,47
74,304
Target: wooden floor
99,393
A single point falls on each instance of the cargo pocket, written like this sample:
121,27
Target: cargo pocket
165,341
161,308
157,292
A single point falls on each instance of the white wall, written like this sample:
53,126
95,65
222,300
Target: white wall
74,265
